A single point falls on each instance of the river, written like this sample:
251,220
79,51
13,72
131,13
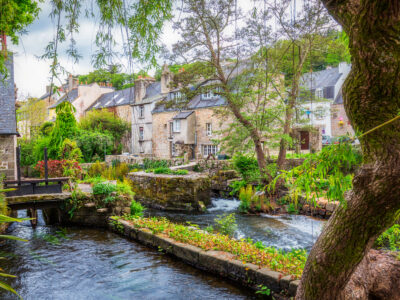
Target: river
81,263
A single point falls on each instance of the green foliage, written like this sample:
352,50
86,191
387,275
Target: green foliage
247,167
94,145
104,188
46,128
118,80
327,173
246,195
70,151
106,122
287,262
124,187
390,239
226,224
165,170
136,209
263,290
65,127
96,169
27,152
236,186
38,149
292,209
153,163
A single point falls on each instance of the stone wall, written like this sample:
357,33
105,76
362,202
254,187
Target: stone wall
8,143
218,262
172,192
340,122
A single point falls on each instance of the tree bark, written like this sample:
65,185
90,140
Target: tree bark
372,96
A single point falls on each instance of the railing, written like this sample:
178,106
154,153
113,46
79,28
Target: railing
33,186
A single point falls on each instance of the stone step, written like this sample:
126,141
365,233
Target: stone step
102,210
90,204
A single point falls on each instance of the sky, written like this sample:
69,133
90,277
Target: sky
32,75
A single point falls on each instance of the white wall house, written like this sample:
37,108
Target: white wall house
320,89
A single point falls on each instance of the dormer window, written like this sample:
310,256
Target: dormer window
319,93
177,96
208,95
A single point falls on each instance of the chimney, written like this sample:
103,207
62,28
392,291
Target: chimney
141,84
70,82
166,78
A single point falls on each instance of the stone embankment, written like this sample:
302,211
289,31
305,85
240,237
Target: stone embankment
172,192
217,262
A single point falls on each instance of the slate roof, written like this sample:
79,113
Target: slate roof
70,97
115,98
321,79
8,121
154,89
183,115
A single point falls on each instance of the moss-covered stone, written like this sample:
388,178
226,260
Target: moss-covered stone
171,192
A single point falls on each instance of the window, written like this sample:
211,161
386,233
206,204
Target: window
319,113
210,149
319,93
173,149
141,133
177,125
141,111
208,95
208,129
178,97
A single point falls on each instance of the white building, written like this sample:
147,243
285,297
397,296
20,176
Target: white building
319,91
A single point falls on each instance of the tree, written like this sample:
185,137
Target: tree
15,16
207,37
65,127
30,116
371,95
302,29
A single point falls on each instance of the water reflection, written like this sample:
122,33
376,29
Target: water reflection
96,264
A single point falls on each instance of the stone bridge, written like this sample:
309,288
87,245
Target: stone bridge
38,201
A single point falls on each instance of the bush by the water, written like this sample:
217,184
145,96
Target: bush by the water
59,168
247,167
136,209
390,239
226,224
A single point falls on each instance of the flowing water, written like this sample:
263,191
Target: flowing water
76,263
281,231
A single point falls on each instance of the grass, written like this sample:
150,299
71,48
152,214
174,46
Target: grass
288,263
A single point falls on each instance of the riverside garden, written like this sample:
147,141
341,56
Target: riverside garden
261,226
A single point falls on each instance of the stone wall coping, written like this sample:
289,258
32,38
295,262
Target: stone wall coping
191,175
217,262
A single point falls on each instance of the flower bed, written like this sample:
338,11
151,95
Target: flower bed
288,263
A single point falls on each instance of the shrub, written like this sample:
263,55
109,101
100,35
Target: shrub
181,172
390,239
104,188
162,170
153,164
125,188
96,169
38,149
136,209
94,145
70,151
46,128
56,168
245,196
105,121
226,224
247,166
27,152
236,186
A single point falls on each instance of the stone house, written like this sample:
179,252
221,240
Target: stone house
8,123
189,130
148,93
120,103
81,96
318,95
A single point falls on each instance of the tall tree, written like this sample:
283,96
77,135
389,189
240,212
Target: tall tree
301,28
372,97
210,34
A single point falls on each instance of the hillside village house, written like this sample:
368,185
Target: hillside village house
8,123
119,103
81,96
323,107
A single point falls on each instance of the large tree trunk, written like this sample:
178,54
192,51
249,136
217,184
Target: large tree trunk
372,97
